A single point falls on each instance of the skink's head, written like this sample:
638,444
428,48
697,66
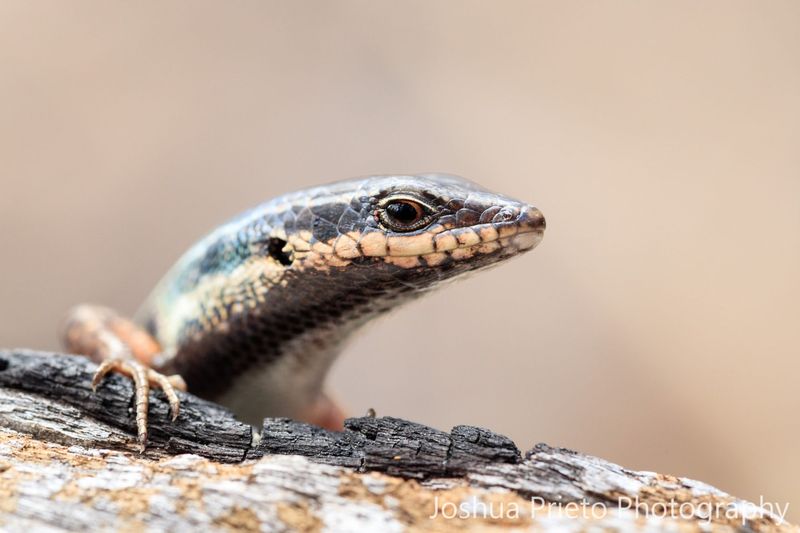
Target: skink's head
421,229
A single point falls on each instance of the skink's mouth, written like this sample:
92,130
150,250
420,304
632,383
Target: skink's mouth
483,238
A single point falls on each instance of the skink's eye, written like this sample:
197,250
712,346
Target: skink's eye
403,214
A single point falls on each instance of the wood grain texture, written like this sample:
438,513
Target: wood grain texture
68,462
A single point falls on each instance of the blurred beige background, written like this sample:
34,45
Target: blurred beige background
658,324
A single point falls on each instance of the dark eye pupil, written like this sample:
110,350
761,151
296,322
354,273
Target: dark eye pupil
402,212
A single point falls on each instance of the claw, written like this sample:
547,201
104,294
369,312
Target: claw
143,378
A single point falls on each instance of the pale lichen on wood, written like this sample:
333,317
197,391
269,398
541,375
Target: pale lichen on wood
68,461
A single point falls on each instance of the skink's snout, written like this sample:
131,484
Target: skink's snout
531,218
529,224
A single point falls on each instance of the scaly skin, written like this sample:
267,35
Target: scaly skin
254,314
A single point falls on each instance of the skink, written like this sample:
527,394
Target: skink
254,314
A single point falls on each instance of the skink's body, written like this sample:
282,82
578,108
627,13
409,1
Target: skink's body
255,312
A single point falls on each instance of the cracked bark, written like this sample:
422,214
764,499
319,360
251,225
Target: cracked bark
68,461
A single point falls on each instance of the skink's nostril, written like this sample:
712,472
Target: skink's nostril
505,214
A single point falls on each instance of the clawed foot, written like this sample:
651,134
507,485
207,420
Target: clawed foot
143,378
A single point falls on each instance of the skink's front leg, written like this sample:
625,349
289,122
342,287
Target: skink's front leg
119,345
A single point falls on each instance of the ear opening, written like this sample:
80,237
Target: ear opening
276,251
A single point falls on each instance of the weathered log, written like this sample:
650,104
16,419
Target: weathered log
203,427
68,461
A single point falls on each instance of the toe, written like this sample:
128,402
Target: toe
105,367
167,386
